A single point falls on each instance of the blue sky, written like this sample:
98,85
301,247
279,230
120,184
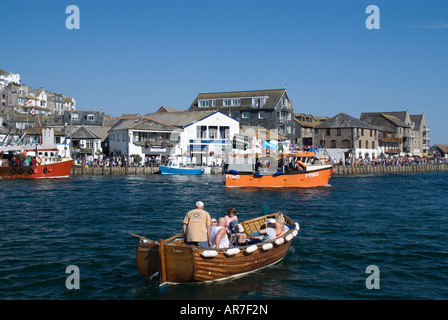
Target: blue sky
135,56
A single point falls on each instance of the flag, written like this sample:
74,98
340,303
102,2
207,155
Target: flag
32,112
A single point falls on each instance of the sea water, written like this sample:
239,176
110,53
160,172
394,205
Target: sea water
397,223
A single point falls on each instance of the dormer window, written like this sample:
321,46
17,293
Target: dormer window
232,102
203,103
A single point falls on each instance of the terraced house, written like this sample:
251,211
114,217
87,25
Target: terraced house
401,133
270,109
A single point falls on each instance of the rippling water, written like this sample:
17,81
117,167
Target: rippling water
397,222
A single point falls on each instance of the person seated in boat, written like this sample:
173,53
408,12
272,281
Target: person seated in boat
237,235
231,216
196,226
270,231
281,227
219,234
299,165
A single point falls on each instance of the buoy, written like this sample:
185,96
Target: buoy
209,253
232,251
289,237
295,232
279,241
251,248
267,246
297,226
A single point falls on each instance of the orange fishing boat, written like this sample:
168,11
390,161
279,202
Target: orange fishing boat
301,169
34,161
172,261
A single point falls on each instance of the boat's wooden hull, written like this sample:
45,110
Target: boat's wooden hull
60,169
300,179
173,262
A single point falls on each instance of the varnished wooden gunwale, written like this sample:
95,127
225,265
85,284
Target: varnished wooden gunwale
182,263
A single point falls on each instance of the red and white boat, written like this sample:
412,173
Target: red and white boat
34,161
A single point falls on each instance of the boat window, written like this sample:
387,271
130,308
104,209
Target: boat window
46,154
52,154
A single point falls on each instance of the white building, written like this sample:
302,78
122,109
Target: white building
198,137
7,77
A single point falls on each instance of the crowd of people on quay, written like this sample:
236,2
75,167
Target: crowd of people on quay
390,161
121,161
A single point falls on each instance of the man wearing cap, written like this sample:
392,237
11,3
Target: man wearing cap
196,227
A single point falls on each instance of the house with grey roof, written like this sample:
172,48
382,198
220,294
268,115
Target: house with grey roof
304,128
270,109
401,133
346,137
142,136
85,143
193,137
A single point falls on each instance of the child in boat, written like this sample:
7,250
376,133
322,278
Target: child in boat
231,216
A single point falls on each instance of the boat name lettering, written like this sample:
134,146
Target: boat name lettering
313,174
177,250
233,176
143,249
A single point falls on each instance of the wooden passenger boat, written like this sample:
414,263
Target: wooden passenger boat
172,261
302,170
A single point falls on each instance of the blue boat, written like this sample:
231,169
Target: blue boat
174,167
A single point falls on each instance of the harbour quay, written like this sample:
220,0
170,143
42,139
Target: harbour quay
338,170
127,170
346,170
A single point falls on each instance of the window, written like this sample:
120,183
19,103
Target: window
232,102
333,143
203,103
75,116
201,132
373,144
367,144
244,114
327,131
213,132
260,114
90,117
346,144
213,103
257,102
338,132
224,132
